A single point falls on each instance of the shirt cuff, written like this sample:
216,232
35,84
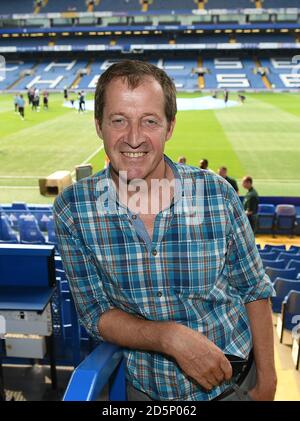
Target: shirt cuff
260,291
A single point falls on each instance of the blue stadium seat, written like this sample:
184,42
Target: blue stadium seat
42,218
30,232
279,264
278,248
290,308
282,287
286,256
281,273
285,219
51,232
295,264
265,218
6,233
269,255
294,249
19,206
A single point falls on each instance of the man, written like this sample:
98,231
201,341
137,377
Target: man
251,201
203,164
21,106
81,101
16,101
182,160
177,285
45,100
222,171
226,96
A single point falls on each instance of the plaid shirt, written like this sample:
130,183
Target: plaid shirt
200,275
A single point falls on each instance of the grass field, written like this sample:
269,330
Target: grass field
260,138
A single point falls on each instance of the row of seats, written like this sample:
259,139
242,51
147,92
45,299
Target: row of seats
29,231
283,268
28,6
279,219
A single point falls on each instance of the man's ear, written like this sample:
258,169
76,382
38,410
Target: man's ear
98,129
170,129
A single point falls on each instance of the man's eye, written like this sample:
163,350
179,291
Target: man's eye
150,122
118,122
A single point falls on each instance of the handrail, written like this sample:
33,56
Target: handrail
95,371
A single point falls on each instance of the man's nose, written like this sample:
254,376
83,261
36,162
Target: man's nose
134,135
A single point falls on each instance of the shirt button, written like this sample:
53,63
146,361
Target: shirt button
159,294
133,216
154,252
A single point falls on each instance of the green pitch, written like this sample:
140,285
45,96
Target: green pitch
260,138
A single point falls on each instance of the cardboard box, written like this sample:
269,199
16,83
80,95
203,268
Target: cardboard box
55,183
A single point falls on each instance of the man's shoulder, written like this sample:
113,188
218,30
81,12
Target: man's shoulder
253,193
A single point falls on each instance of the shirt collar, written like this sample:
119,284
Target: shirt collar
113,194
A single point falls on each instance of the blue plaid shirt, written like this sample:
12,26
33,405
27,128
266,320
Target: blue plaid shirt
200,275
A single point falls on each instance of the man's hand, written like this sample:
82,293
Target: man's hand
197,356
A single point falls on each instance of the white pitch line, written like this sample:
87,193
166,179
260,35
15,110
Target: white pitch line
16,177
89,158
19,187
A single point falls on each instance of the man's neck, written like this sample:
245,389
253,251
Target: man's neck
152,195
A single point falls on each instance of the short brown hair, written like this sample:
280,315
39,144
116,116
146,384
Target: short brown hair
134,72
248,179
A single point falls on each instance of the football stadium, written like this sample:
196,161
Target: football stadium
236,68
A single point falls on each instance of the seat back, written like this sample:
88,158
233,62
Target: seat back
282,287
294,264
286,256
6,233
51,232
293,302
19,206
279,264
285,217
269,255
274,273
29,231
266,209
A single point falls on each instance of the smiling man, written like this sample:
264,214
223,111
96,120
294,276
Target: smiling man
180,287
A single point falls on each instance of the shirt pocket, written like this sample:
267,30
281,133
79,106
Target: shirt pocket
201,263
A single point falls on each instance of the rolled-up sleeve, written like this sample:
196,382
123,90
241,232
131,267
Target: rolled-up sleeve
84,279
245,270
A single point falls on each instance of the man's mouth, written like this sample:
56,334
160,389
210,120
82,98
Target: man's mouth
134,154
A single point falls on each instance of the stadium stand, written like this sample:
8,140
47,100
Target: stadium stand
173,5
16,6
118,5
230,4
280,3
65,6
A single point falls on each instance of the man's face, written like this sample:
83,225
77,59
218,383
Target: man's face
246,185
222,172
134,127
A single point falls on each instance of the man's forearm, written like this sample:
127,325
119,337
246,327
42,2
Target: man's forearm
196,355
123,329
260,316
